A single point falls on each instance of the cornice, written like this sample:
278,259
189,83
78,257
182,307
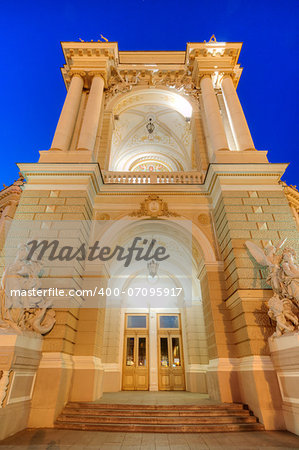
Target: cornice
292,195
43,173
213,58
13,189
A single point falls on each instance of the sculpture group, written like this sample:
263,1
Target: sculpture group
24,314
283,277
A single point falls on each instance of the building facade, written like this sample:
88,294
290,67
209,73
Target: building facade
143,138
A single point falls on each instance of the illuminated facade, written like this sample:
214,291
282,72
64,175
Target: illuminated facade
141,136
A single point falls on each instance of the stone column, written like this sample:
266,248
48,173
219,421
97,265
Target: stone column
91,118
66,124
213,117
236,115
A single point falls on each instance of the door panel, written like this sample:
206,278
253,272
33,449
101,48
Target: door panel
141,370
170,362
135,360
177,370
129,363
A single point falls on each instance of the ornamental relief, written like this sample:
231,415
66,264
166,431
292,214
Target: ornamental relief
122,81
30,316
153,206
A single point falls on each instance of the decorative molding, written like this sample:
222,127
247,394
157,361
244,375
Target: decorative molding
244,364
4,383
122,81
285,375
87,363
15,188
23,398
56,360
153,206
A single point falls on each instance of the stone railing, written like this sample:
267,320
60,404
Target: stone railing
111,177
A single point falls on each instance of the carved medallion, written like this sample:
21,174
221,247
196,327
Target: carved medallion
153,206
203,219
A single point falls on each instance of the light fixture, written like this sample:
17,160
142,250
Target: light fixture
150,125
152,267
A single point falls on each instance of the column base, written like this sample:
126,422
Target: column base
250,380
19,358
87,382
196,378
240,157
222,380
53,382
59,156
285,356
259,389
112,378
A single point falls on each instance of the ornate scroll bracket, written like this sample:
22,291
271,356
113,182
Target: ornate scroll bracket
283,277
153,206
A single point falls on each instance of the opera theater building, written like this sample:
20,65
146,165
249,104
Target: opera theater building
149,272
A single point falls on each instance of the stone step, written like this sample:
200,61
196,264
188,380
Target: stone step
159,407
155,420
142,428
157,413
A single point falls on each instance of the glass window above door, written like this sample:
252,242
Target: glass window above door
169,322
136,321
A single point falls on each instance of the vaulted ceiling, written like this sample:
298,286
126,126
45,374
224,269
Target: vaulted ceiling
167,148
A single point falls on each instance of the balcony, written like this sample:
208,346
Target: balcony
194,177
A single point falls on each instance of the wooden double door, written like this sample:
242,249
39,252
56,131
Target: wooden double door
169,363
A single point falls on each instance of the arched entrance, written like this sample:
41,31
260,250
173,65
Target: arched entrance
153,342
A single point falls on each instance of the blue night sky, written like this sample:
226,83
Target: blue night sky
33,90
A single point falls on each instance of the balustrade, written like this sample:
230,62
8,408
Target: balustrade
111,177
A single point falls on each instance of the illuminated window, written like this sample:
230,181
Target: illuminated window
169,322
136,322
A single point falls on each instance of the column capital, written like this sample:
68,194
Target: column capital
97,73
228,75
77,73
204,75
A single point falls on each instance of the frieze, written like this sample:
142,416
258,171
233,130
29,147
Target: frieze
122,81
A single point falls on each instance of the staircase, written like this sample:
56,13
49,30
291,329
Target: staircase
157,418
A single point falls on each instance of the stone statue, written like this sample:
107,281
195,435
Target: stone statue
283,277
290,275
22,312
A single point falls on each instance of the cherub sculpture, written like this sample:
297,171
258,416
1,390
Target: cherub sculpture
283,277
